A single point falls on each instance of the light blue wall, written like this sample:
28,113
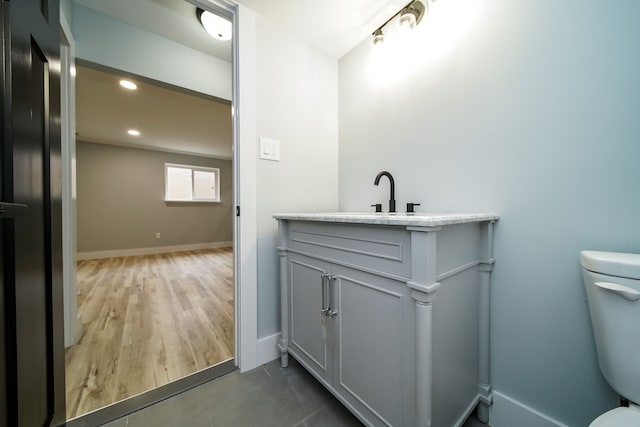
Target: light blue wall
106,41
66,9
534,113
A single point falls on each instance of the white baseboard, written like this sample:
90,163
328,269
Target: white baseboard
267,349
76,332
508,412
150,251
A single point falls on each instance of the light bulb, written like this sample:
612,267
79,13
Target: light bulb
407,19
128,84
378,37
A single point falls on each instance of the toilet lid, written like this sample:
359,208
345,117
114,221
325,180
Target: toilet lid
619,417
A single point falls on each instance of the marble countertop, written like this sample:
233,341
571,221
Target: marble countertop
384,218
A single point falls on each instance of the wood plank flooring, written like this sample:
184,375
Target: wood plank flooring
148,320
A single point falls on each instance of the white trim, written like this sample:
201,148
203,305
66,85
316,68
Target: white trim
508,412
81,256
268,349
246,154
245,173
72,319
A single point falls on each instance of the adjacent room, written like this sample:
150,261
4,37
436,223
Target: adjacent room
154,228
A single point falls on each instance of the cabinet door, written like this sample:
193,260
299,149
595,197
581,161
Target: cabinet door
374,347
308,326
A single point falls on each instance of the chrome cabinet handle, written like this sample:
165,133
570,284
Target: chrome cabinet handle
331,312
625,292
325,308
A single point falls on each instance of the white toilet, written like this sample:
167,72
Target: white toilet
613,291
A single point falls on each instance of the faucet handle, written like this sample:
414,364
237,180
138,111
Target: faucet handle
411,207
378,207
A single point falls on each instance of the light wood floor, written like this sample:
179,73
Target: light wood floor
148,320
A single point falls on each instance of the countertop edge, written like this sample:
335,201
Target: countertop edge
418,219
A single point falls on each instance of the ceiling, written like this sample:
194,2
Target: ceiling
168,119
332,26
155,16
173,120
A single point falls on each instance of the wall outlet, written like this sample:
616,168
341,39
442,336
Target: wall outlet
157,235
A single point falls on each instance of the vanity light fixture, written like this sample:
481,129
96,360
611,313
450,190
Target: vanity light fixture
378,37
217,26
128,84
410,16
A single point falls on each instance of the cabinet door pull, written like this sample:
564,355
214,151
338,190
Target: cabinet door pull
325,309
330,311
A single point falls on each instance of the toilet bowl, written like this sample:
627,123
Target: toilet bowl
612,282
619,417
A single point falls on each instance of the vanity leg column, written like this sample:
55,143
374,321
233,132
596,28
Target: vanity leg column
484,386
283,342
486,266
424,286
424,362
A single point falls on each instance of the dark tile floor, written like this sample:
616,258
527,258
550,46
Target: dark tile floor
266,396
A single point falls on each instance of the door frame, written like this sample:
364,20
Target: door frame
243,104
245,236
72,321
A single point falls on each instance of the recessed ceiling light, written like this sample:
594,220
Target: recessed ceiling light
133,132
128,84
217,27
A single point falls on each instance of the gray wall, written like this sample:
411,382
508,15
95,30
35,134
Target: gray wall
297,103
121,203
533,113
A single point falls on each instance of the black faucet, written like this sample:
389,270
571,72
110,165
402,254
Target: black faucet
392,198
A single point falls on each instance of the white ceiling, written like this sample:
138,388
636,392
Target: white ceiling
332,26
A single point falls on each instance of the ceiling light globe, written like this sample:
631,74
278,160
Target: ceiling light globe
217,27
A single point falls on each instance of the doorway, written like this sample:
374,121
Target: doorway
126,270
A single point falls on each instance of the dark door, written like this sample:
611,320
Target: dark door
32,374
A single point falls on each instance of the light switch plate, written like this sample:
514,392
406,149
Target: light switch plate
269,149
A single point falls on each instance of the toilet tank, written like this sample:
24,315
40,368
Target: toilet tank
612,281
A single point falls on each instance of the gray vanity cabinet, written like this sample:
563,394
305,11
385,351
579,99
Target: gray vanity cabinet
372,333
390,314
309,326
352,338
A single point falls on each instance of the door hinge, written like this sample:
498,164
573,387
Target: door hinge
237,210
